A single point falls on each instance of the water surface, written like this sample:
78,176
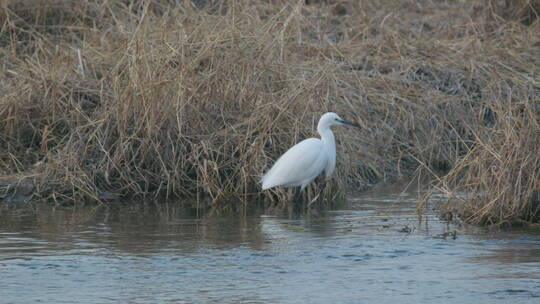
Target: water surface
373,249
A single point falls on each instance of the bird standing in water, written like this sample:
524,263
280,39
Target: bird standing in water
302,163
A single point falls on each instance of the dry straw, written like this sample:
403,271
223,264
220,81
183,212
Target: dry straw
197,98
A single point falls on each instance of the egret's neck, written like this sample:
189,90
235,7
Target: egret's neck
327,137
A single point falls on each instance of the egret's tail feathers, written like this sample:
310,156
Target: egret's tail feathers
265,181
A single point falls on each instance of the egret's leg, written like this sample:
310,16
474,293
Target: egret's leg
296,204
295,207
297,195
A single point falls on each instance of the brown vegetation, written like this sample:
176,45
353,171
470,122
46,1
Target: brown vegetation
192,99
524,11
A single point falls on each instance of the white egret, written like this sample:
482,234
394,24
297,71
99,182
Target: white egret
302,163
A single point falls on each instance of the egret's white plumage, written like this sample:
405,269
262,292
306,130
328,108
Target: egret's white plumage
298,166
306,160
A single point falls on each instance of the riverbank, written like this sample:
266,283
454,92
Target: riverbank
149,99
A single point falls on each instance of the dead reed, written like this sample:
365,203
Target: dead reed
524,11
498,180
195,99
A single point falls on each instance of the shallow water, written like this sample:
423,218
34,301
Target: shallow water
360,253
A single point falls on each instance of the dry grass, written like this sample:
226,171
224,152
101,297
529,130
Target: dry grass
498,180
524,11
173,98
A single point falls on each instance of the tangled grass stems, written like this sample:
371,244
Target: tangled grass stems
196,99
500,175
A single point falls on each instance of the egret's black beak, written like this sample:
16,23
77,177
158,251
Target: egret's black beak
345,122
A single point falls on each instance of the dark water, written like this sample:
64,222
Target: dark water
372,250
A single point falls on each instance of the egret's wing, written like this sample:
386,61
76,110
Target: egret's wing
303,161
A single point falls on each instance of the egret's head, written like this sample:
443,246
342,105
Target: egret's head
332,119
